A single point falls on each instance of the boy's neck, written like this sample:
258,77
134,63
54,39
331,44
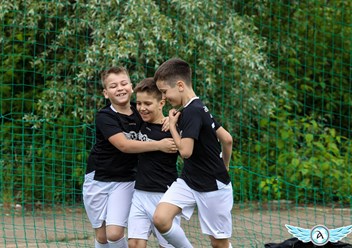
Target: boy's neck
188,98
158,120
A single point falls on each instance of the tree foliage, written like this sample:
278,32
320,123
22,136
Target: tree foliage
310,45
254,62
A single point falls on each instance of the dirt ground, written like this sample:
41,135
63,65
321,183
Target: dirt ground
253,226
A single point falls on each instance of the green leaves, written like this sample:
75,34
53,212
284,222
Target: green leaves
275,74
311,161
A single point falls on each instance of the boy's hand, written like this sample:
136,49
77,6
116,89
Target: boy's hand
166,124
167,145
173,116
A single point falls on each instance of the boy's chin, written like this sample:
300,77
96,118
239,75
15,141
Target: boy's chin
123,102
175,105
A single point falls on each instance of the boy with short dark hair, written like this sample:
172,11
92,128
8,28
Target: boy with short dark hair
110,174
204,181
156,170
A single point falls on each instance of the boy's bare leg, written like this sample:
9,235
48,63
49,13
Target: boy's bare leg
116,236
137,243
219,243
163,221
164,215
100,237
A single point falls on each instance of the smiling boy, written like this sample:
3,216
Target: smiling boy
204,181
111,170
156,170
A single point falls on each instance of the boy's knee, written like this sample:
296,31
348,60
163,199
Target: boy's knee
220,243
137,243
164,216
132,243
115,233
100,236
161,222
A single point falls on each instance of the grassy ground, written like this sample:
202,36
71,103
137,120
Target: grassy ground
253,226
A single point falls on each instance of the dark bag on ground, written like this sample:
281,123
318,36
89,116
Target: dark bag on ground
296,243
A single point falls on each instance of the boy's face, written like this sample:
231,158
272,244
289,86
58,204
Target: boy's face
172,94
149,107
118,88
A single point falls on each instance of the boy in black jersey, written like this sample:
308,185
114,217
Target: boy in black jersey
111,170
156,170
204,181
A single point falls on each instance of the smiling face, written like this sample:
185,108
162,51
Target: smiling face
118,88
171,94
149,107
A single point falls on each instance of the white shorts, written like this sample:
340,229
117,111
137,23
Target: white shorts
140,221
107,201
214,208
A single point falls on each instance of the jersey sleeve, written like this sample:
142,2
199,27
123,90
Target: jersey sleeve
190,124
107,124
217,124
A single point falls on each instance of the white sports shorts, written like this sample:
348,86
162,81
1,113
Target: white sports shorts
107,201
140,221
214,208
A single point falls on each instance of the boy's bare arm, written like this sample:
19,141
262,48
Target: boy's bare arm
136,146
226,141
184,145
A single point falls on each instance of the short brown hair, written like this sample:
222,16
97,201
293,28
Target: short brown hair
148,85
172,70
113,70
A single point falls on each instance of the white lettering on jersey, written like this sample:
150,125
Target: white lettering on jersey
143,137
131,135
207,110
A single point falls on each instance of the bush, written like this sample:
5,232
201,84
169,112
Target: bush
296,159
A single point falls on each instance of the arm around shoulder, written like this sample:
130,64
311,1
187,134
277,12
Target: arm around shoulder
136,146
125,145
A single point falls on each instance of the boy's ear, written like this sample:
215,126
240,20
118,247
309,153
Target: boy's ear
162,103
105,94
180,85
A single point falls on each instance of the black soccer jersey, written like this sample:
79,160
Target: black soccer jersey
156,170
205,167
109,163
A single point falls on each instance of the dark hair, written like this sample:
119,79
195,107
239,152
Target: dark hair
148,85
113,70
172,70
